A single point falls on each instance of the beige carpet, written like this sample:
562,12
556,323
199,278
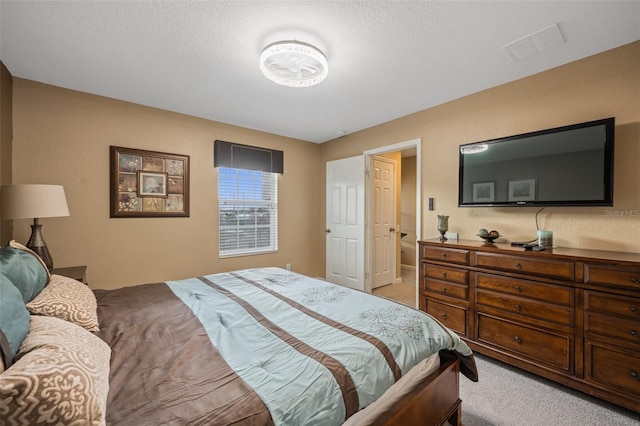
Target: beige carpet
508,396
404,292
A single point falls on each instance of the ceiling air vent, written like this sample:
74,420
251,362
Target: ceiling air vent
534,43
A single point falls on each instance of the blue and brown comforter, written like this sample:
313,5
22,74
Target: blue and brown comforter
259,346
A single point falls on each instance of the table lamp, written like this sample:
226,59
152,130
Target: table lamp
34,201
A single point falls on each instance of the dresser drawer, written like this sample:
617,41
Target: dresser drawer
553,350
453,317
616,368
558,314
444,254
612,275
527,265
628,307
454,275
446,289
525,288
613,327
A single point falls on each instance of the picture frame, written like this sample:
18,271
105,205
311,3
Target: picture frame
148,183
522,190
152,184
484,191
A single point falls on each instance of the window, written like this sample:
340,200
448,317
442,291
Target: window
248,208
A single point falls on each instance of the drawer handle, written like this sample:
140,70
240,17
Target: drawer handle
517,339
633,333
443,316
519,266
634,374
444,255
518,289
634,309
444,289
634,280
518,307
444,275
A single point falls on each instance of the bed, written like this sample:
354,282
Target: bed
258,346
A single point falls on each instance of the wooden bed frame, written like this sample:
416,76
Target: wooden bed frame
434,402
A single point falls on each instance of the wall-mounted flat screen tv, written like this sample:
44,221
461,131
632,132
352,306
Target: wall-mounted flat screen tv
564,166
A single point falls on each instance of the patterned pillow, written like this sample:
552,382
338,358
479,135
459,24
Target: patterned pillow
67,299
60,376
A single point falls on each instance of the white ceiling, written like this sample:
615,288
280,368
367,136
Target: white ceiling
386,59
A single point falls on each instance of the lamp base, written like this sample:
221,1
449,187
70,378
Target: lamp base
37,244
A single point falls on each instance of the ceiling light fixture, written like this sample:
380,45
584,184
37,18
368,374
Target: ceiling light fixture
293,63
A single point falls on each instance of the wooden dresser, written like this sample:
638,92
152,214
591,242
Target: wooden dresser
570,315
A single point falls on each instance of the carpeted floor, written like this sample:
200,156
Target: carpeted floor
404,292
507,396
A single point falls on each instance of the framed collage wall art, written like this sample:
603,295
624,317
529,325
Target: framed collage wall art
148,183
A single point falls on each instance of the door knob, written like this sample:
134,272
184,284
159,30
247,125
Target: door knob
327,230
392,229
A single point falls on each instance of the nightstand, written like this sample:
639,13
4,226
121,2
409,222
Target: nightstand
78,273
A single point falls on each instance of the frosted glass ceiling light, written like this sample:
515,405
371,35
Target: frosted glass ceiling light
293,63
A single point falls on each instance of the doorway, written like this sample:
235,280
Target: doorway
404,288
348,210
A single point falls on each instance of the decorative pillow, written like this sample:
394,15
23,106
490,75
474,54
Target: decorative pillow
25,270
15,244
67,299
14,320
60,376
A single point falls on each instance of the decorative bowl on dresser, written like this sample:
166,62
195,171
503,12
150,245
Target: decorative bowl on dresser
569,315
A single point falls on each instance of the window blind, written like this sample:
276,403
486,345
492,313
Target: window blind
248,211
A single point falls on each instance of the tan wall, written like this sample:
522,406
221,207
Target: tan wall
6,137
408,211
601,86
63,137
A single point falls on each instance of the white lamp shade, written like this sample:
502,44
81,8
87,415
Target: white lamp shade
32,201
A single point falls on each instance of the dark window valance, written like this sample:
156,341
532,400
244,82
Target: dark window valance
238,156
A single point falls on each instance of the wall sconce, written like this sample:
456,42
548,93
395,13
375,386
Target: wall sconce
34,201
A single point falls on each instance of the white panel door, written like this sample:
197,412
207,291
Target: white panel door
345,222
383,221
